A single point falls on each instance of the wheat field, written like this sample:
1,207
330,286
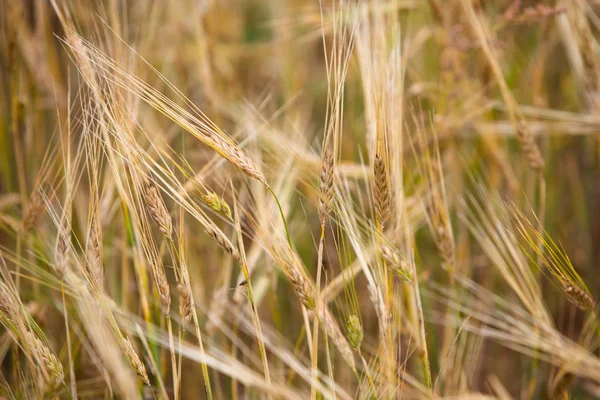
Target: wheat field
299,199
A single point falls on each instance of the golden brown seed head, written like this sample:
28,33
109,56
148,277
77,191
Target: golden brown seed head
445,244
326,186
134,360
48,360
94,258
221,240
577,296
302,288
158,210
381,191
238,158
185,303
162,286
529,147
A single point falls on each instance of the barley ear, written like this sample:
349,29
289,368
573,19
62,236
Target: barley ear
158,210
326,185
185,303
217,203
134,360
355,332
381,191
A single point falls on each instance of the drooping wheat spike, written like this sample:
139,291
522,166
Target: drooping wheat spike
529,146
381,190
185,303
94,257
444,242
193,121
158,210
395,262
48,360
235,155
217,203
134,360
554,260
355,332
326,185
578,296
223,242
16,319
303,289
162,286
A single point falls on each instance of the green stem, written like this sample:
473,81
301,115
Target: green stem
287,233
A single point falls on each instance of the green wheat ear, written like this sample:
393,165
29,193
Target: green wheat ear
355,331
218,204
